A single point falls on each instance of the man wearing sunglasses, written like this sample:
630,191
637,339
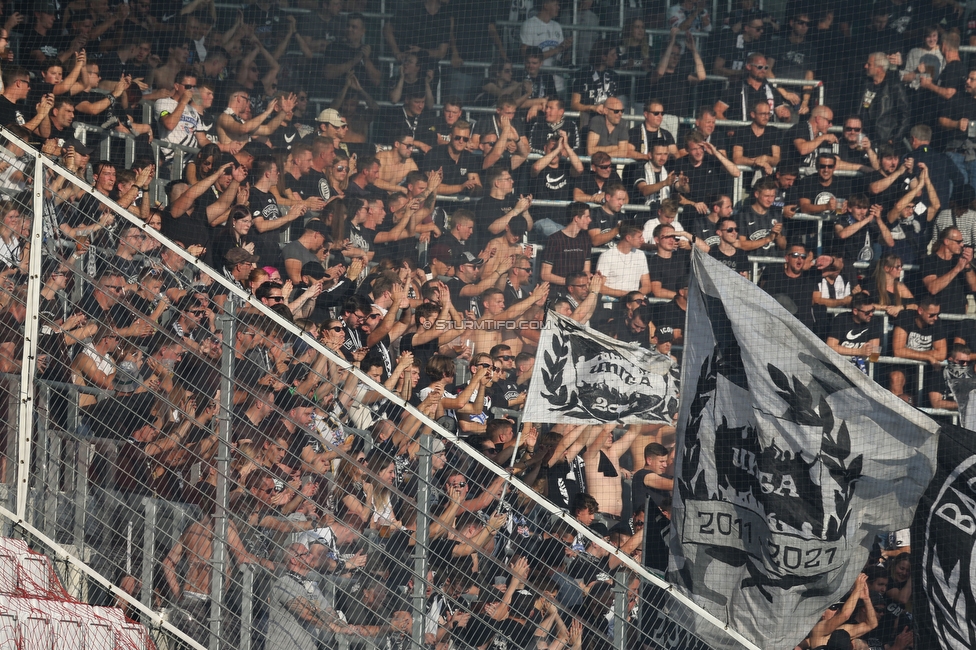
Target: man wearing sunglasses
727,250
855,334
856,148
460,166
179,122
754,88
648,136
795,287
608,133
823,194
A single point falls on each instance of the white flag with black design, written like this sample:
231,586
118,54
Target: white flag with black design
791,461
582,376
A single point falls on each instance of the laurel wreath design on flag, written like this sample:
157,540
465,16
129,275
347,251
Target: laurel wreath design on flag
587,394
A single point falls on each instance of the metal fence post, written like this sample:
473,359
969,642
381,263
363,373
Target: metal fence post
247,606
424,473
28,365
620,610
220,559
148,544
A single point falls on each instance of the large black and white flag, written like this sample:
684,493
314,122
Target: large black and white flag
582,376
791,461
944,548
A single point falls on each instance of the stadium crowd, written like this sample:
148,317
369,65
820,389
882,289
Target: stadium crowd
424,248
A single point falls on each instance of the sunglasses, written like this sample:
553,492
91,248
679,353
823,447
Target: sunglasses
461,138
615,111
482,365
825,166
341,168
337,328
603,166
275,298
797,255
459,485
505,357
852,129
731,230
655,113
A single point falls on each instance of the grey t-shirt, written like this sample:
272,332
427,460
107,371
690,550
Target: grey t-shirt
620,133
284,629
295,251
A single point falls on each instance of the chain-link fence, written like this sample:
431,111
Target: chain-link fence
233,475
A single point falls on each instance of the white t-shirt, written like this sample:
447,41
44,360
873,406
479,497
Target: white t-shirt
184,133
623,272
546,36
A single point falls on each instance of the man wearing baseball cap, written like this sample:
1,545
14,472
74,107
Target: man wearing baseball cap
331,124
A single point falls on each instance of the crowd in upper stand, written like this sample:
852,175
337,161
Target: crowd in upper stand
423,241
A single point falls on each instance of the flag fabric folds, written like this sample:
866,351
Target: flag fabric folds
582,376
790,463
944,548
961,380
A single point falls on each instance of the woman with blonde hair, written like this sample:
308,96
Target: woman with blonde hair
890,293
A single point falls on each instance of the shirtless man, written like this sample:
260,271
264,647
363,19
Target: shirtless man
395,164
232,126
837,620
603,471
193,595
488,334
508,245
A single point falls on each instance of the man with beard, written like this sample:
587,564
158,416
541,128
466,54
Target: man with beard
855,334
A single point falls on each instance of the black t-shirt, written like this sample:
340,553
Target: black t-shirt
853,335
962,105
565,254
414,25
588,183
738,261
488,210
753,146
953,296
799,290
455,173
919,339
741,98
644,140
895,191
263,204
668,317
603,220
812,188
672,272
789,155
553,184
11,113
708,179
703,228
794,59
462,303
595,86
49,45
